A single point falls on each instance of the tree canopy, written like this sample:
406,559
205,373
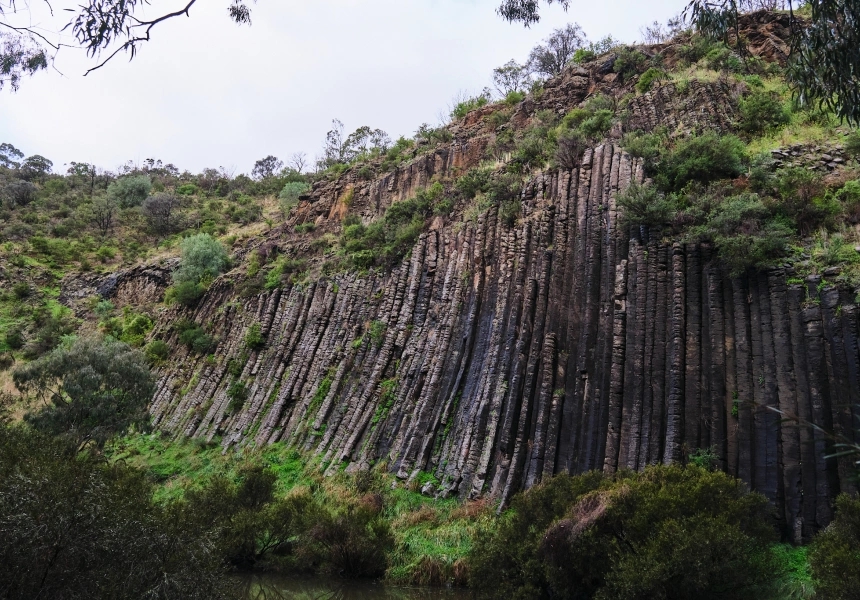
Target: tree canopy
92,389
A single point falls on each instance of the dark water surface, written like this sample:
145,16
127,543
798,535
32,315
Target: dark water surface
276,587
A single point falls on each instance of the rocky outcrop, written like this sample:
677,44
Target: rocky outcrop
816,157
496,356
140,285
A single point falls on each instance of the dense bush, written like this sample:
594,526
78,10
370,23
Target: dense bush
203,258
745,232
646,205
131,190
78,528
253,525
289,196
186,293
700,159
156,351
802,200
593,120
474,181
194,337
351,540
537,144
670,532
51,324
254,339
849,199
628,63
237,392
761,111
505,561
835,554
91,390
648,78
161,212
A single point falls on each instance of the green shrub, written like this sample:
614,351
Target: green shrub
186,189
376,331
591,121
130,191
849,198
648,146
195,338
834,249
237,392
670,532
110,539
761,111
514,97
281,267
254,339
156,351
745,232
254,527
106,253
761,176
14,338
203,258
701,159
466,106
537,145
802,199
647,79
835,554
698,48
388,240
646,205
134,329
186,293
583,55
288,198
21,290
473,181
305,227
505,561
433,134
52,325
722,58
628,63
351,540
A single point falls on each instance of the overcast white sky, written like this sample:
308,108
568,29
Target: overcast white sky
206,92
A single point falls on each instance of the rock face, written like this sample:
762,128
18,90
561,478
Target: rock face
496,356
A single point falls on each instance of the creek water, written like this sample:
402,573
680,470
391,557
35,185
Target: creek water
276,587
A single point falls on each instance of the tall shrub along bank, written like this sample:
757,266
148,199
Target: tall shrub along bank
670,532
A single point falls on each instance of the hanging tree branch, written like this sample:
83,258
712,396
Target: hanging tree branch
99,24
824,65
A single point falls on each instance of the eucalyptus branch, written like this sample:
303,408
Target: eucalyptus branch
30,31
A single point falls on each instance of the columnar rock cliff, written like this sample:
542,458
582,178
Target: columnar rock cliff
497,355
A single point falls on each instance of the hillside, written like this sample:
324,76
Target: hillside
629,265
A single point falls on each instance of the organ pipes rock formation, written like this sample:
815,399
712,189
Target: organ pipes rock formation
496,355
562,344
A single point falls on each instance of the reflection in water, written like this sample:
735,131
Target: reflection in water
274,587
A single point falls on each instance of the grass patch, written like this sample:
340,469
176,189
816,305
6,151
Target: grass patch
432,537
